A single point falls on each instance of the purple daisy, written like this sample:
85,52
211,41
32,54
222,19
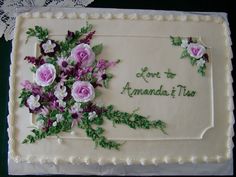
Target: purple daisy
64,64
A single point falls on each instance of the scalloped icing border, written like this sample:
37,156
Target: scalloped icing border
128,161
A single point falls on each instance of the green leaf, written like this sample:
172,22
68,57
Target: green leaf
109,75
97,93
105,83
24,95
184,54
98,121
38,32
51,60
193,60
97,49
201,70
33,69
132,120
50,87
99,130
177,41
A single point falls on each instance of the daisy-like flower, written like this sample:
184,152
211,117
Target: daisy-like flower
64,64
76,118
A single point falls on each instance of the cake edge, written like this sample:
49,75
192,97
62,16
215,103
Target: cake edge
134,16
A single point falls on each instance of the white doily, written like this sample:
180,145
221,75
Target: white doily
8,10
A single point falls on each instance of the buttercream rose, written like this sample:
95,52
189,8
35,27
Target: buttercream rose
45,74
196,50
83,54
82,91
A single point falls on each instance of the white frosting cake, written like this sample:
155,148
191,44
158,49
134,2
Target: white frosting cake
193,100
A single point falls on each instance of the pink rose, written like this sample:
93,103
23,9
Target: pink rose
82,91
196,50
83,54
45,75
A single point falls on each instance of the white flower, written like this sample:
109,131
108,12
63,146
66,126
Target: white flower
196,50
184,43
33,102
92,115
60,91
200,63
76,107
61,103
40,124
48,47
59,117
54,124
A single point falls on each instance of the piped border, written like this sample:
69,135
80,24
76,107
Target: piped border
128,161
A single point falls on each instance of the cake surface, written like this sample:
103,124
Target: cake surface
192,95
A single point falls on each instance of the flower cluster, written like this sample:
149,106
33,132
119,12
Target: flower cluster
66,76
193,50
61,82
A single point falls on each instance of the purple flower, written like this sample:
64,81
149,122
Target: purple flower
45,75
64,64
35,61
100,75
87,39
49,47
27,85
70,35
35,89
83,71
104,64
44,111
82,91
196,50
83,55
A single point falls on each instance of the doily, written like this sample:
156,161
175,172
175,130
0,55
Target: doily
8,10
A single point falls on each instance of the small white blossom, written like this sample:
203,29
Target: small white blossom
76,107
59,117
54,124
92,115
33,102
200,63
62,103
40,124
184,43
60,91
48,47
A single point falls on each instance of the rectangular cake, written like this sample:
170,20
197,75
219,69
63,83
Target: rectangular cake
117,88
